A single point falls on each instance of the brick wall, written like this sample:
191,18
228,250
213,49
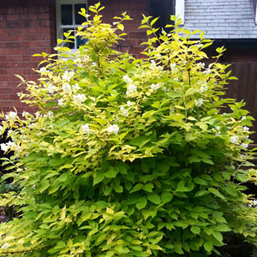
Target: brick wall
26,27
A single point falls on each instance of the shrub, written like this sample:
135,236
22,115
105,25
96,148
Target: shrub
128,157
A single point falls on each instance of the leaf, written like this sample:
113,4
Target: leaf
200,181
148,187
137,187
173,94
111,173
190,104
202,125
118,188
201,193
242,177
222,228
217,193
166,197
153,21
208,161
120,26
218,236
194,159
208,246
154,198
141,204
195,230
191,91
98,178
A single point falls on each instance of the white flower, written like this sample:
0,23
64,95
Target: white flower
43,70
113,128
131,89
66,88
245,146
207,71
4,246
124,111
24,114
173,66
155,86
50,114
33,187
76,87
198,102
127,79
129,104
68,75
51,88
164,89
245,128
152,66
217,128
11,115
176,79
78,99
60,102
234,139
4,147
158,56
86,128
37,114
94,64
199,45
243,117
203,87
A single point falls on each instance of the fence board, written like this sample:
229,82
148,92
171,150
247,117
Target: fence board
245,88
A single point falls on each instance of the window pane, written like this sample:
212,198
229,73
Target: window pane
71,44
66,11
78,18
80,41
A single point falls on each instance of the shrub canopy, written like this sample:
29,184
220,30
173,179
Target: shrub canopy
126,156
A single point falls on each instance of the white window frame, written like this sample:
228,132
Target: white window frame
180,10
59,26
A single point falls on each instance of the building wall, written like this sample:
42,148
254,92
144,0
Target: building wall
29,26
26,27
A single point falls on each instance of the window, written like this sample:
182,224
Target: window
67,18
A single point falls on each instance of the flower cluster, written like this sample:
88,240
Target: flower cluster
234,140
156,86
78,99
198,102
68,75
51,88
10,145
113,128
11,115
203,87
86,129
131,89
124,111
66,88
200,65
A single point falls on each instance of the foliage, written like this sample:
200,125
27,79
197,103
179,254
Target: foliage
128,157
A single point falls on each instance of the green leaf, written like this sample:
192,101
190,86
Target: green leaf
200,181
118,188
201,193
208,161
148,187
218,236
195,230
111,173
191,91
141,204
98,178
217,193
222,228
154,198
166,197
137,187
190,104
242,177
208,246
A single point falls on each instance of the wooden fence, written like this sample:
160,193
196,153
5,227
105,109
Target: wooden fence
245,88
